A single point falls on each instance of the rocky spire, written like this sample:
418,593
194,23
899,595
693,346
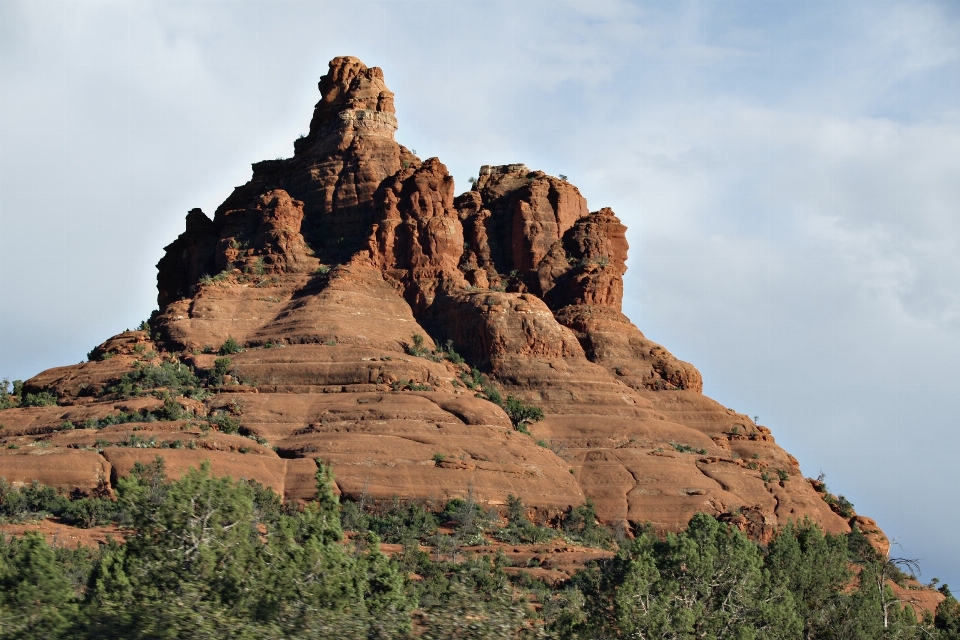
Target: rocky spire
354,101
327,186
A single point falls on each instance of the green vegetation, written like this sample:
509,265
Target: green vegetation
845,507
221,367
196,565
685,448
41,399
223,276
446,352
581,526
176,378
259,268
207,557
171,410
224,421
8,399
451,354
519,529
12,395
521,414
473,380
37,501
838,503
392,522
417,348
409,385
229,347
171,379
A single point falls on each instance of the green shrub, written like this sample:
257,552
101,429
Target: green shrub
137,441
229,347
221,367
8,396
224,422
436,355
581,525
393,522
90,512
468,519
451,354
171,410
409,385
519,529
259,268
177,378
472,380
685,448
34,500
845,507
41,399
521,413
947,618
417,348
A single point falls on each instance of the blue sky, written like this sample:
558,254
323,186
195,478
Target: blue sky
789,171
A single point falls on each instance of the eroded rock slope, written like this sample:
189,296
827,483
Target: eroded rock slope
351,276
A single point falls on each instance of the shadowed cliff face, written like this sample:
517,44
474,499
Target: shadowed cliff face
340,271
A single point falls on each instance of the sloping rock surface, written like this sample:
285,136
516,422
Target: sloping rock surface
351,276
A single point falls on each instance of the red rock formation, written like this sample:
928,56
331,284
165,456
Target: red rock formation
187,259
335,170
265,238
512,218
590,268
338,269
574,260
418,239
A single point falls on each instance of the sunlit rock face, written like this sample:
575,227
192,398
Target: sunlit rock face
342,272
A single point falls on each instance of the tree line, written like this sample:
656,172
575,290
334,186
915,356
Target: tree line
208,557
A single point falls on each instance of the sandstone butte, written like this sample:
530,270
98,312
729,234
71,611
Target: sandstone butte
327,264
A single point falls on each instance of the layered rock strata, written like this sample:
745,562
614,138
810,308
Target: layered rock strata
348,274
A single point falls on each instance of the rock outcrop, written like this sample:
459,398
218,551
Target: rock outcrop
352,277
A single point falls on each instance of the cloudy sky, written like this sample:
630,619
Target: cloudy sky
789,171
